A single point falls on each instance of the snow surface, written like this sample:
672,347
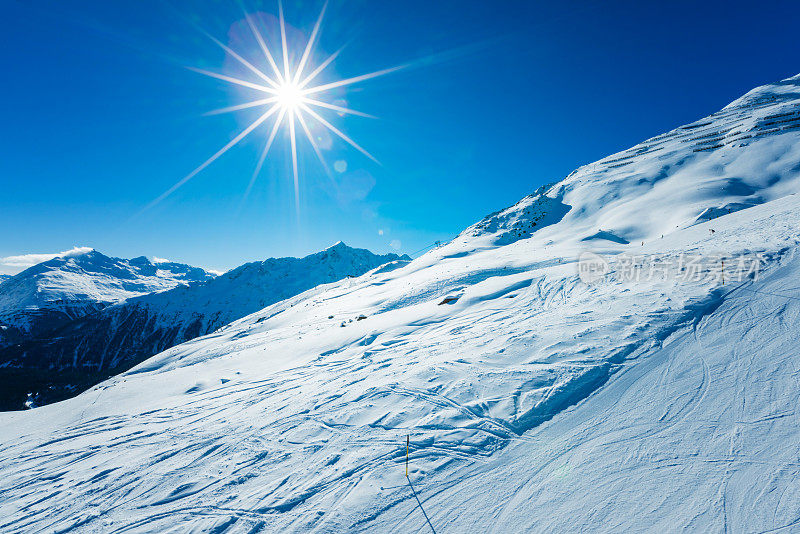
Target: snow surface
533,401
250,287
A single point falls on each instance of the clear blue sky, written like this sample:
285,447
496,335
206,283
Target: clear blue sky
100,116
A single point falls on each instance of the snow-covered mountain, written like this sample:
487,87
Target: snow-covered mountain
52,293
4,277
649,400
81,352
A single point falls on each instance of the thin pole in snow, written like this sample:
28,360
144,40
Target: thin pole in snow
427,519
408,444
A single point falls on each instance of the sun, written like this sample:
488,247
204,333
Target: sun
289,100
289,97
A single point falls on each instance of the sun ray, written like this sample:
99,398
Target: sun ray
286,77
350,81
319,69
303,125
335,130
270,139
244,133
263,156
294,164
264,48
288,93
246,105
337,108
309,45
244,62
243,83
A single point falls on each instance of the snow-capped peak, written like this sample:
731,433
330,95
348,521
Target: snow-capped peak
121,335
75,251
338,244
81,281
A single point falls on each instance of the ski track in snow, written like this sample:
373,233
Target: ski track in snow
325,431
723,457
533,401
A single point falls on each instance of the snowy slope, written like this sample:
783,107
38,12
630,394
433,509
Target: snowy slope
122,335
4,277
739,157
51,293
699,434
534,401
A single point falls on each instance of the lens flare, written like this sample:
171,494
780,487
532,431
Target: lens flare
289,96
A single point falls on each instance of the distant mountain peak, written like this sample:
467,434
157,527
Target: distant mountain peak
81,281
76,252
118,336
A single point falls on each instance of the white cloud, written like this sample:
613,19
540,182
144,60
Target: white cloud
15,264
75,251
396,244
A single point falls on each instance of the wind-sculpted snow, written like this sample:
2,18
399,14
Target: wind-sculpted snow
741,156
699,435
287,420
521,220
533,400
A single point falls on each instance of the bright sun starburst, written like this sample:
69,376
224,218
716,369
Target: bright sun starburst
290,101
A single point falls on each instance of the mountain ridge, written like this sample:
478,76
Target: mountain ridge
50,294
114,338
760,114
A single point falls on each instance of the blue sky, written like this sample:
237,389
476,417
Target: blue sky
101,116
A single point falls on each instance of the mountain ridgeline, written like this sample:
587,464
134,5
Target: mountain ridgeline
58,363
53,293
